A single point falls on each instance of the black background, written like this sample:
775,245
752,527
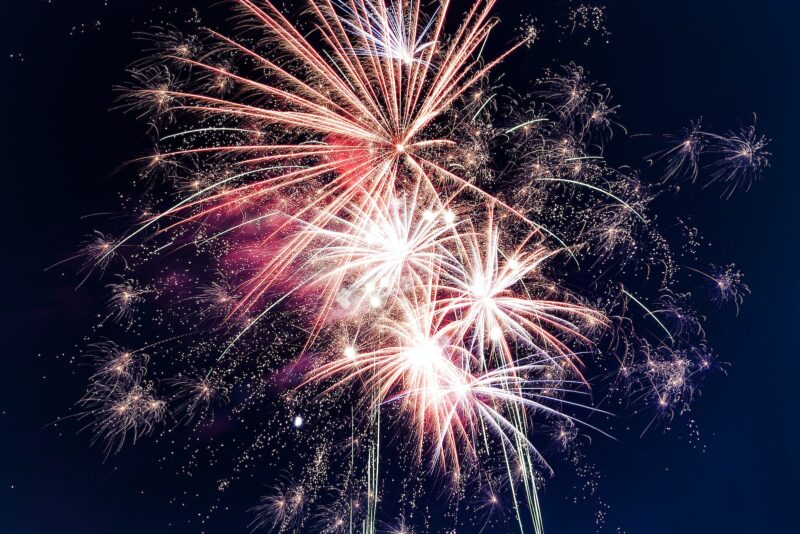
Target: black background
668,62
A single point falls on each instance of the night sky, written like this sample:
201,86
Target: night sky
667,62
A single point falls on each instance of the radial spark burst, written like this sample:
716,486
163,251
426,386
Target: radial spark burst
363,233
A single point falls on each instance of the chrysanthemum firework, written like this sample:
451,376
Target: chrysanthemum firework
335,206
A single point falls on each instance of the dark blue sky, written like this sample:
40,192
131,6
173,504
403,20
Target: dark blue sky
668,62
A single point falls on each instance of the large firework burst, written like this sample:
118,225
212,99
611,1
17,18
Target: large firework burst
335,180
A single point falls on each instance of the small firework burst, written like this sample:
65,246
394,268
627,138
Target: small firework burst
115,364
280,510
196,397
727,285
683,156
218,298
736,159
125,296
565,434
335,518
680,318
121,412
741,158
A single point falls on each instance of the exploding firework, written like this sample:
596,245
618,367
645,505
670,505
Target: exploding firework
356,254
737,159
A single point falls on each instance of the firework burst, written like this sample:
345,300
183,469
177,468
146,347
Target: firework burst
367,257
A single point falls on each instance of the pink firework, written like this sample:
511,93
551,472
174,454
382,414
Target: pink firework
339,183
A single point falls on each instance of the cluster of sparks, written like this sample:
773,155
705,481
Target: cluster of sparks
739,157
341,180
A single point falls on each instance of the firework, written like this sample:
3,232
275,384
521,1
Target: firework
282,509
737,159
726,284
367,256
122,411
125,296
741,158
